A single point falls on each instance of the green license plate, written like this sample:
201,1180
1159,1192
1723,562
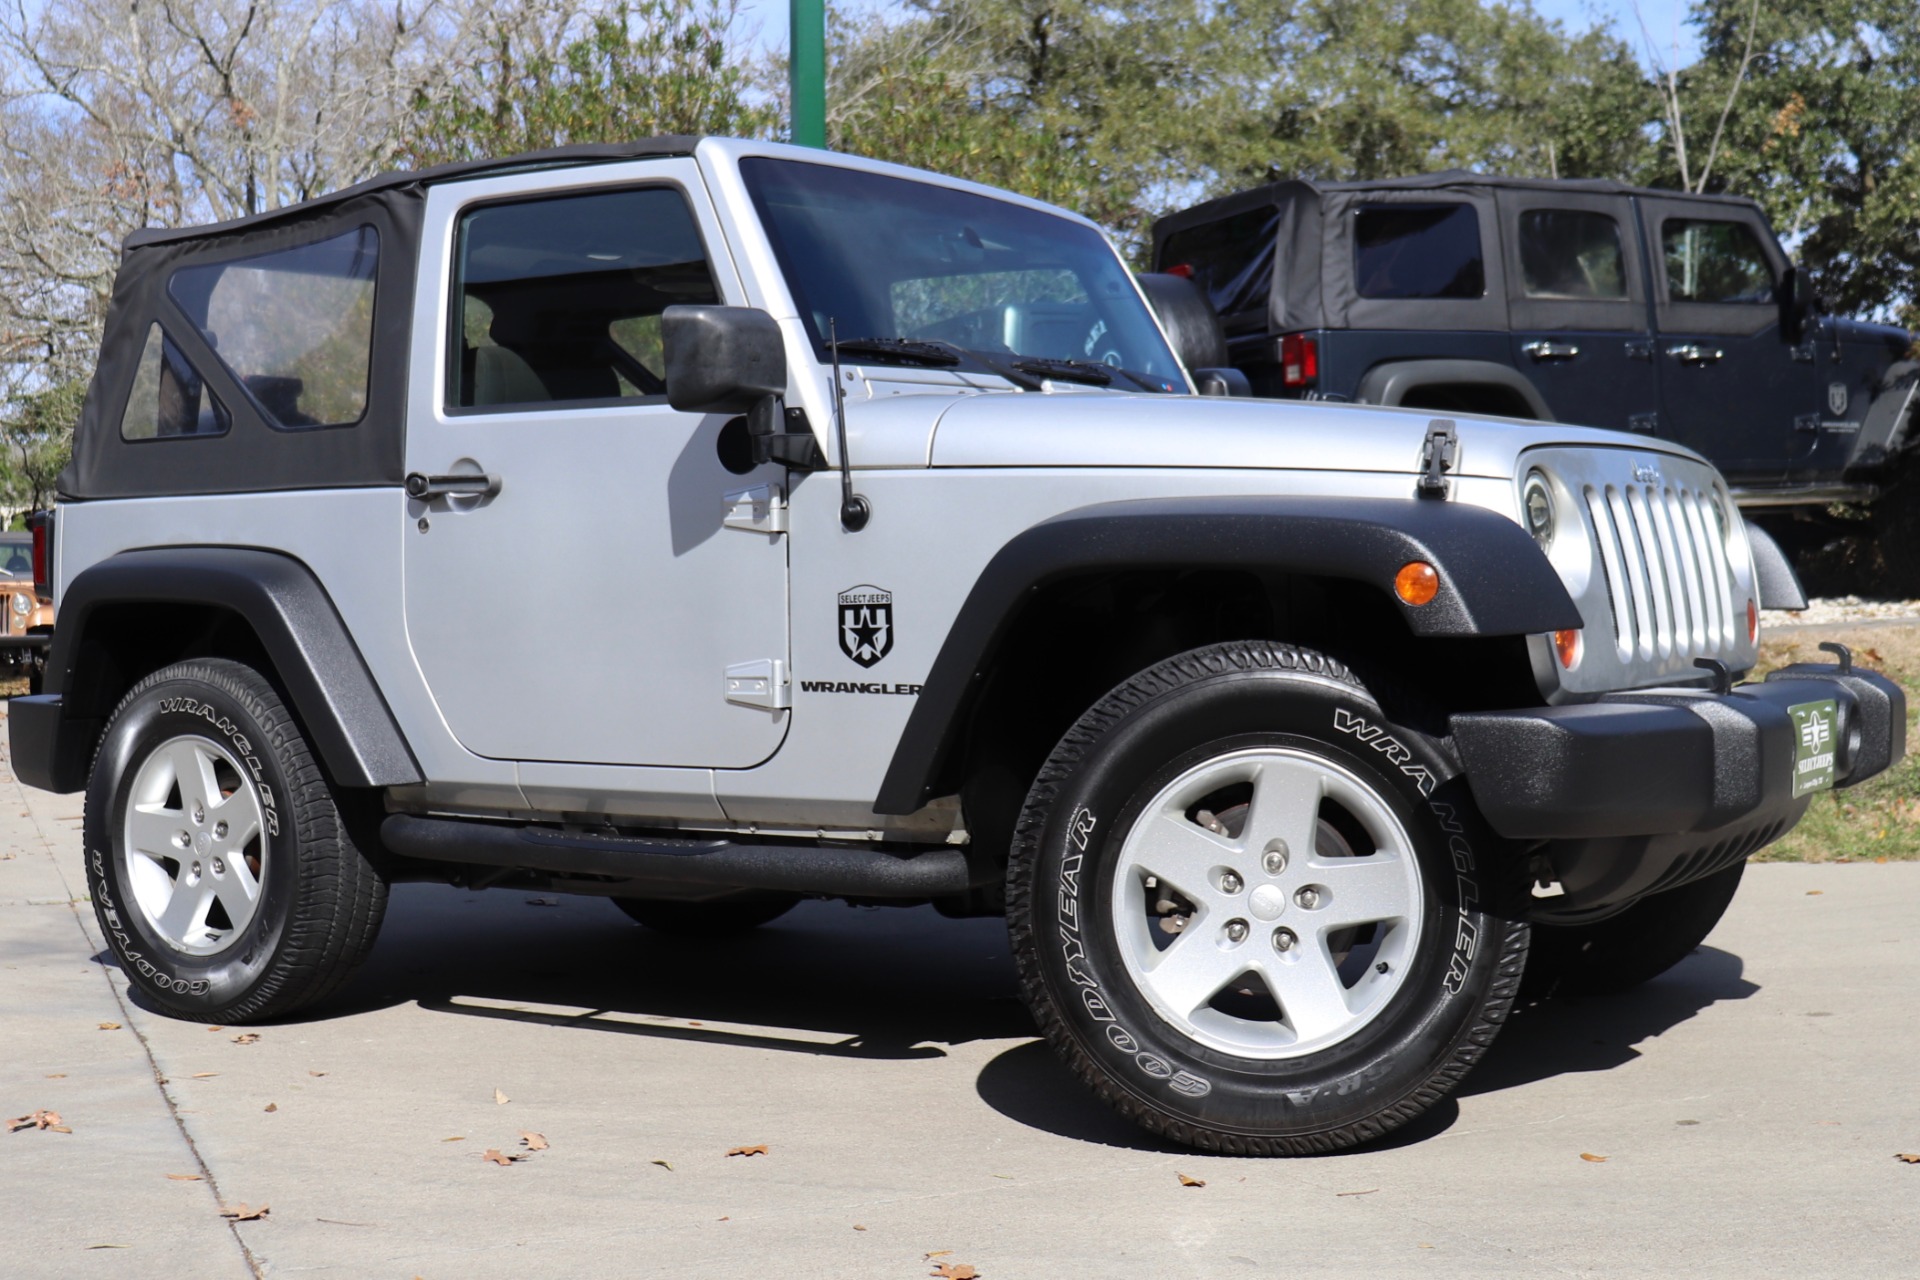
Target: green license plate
1815,730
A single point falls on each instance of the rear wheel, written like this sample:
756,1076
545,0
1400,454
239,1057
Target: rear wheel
1254,914
706,919
221,868
1637,945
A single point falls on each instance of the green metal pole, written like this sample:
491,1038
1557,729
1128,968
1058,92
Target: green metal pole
807,69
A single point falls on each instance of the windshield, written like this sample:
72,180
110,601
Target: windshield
892,259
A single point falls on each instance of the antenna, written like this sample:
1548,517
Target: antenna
854,511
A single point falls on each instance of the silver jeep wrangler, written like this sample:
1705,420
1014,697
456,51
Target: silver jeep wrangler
898,563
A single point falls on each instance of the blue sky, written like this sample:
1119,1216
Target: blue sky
1664,21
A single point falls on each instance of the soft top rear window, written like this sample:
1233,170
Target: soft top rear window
1418,251
1231,259
294,327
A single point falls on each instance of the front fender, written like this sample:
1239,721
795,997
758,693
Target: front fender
1494,581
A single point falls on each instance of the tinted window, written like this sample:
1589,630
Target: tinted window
882,257
169,398
1418,251
1231,260
1714,262
560,299
294,327
1570,253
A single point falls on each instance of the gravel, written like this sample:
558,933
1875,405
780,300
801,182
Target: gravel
1833,609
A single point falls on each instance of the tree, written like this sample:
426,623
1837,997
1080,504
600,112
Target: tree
38,436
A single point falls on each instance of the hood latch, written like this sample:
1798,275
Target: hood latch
1437,454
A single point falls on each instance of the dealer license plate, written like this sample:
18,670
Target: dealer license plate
1815,729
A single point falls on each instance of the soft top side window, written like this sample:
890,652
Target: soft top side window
558,299
1715,261
1571,254
295,327
1418,251
168,398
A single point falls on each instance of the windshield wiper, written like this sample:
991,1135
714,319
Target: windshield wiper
1098,375
905,350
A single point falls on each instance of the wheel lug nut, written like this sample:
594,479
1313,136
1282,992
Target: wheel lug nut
199,812
1308,897
1229,883
1274,860
1284,939
219,867
219,831
1236,931
1382,967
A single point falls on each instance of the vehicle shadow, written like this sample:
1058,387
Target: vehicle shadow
824,979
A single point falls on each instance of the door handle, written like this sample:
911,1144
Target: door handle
426,488
1692,353
1551,350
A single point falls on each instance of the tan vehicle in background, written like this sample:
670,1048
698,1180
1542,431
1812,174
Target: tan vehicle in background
26,615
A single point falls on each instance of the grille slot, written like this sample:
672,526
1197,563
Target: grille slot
1668,579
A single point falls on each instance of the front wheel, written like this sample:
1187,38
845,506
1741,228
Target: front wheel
222,870
1256,915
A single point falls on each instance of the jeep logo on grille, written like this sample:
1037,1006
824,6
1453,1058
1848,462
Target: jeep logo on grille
1646,473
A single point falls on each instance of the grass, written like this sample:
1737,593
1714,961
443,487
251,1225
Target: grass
1878,821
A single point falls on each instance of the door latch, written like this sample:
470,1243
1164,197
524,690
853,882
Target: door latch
760,683
425,488
761,509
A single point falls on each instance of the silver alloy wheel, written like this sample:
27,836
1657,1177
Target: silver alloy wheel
193,844
1281,924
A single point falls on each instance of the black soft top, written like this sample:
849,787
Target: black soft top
1295,270
254,456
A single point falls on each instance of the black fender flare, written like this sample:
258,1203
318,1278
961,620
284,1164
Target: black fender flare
1390,383
1778,585
1494,581
313,655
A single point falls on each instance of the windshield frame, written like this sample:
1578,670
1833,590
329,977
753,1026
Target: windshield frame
989,361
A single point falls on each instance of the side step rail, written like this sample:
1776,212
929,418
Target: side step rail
832,870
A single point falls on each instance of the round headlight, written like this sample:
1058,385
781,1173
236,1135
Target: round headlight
22,604
1537,500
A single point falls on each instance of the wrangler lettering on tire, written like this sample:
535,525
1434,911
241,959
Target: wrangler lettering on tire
1253,913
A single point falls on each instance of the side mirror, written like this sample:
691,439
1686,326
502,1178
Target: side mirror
726,360
1222,382
1802,302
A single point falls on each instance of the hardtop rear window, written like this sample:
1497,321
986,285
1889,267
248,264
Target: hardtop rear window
1418,251
294,327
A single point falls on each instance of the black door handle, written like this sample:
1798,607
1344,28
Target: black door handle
426,488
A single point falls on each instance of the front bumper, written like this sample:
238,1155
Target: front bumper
1640,792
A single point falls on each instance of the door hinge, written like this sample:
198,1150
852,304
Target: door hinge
1640,349
760,683
761,509
1644,422
1806,422
1803,353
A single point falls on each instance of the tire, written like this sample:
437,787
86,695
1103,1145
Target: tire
1637,945
1207,738
190,935
718,917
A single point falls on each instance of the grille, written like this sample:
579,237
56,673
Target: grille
1668,579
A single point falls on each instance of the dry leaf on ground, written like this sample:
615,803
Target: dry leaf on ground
1908,1157
247,1037
205,1075
1369,1191
1185,1181
1814,893
57,1075
40,1119
858,1227
759,1150
184,1177
954,1271
534,1141
1591,1158
500,1098
109,1026
491,1156
316,1074
460,1138
937,1253
271,1106
216,1028
241,1213
663,1164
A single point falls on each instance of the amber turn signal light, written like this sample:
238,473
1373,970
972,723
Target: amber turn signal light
1417,582
1566,645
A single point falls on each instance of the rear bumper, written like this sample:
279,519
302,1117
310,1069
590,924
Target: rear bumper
1640,792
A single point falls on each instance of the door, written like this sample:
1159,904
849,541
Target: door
592,606
1577,302
1731,385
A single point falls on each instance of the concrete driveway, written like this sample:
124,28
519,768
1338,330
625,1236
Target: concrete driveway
1749,1107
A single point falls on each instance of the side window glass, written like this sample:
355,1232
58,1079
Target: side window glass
1571,254
1714,262
1418,251
295,327
168,396
560,299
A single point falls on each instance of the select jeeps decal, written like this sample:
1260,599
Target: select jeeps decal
1152,1065
866,624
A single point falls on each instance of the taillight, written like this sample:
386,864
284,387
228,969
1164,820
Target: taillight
1184,270
1299,360
41,523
